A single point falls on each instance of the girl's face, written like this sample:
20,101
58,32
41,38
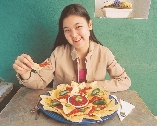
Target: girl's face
77,31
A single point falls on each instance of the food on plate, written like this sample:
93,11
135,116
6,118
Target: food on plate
119,4
80,101
38,67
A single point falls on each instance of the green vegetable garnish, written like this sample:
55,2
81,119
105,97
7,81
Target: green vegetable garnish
99,102
55,103
78,98
95,91
63,92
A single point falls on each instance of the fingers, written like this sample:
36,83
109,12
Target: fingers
17,67
23,64
25,59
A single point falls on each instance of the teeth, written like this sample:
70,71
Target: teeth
77,40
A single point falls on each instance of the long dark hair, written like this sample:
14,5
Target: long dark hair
72,9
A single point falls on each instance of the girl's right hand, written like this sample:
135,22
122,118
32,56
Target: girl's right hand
22,65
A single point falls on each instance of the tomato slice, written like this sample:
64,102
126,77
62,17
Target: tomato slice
64,97
83,91
94,98
44,64
69,88
92,110
74,111
59,106
101,107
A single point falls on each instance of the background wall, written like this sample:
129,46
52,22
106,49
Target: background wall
30,26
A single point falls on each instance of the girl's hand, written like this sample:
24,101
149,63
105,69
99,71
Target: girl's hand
23,65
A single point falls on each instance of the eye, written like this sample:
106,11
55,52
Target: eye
78,27
66,30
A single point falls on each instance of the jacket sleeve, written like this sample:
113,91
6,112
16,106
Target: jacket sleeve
119,80
40,79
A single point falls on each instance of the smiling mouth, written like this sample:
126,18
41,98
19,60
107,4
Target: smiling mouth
77,40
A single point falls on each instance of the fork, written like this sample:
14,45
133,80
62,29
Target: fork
122,113
36,109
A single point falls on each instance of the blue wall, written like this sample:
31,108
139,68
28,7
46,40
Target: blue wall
30,26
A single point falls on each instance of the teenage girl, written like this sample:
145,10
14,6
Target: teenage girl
77,56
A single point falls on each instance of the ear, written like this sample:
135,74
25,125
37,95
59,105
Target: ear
90,25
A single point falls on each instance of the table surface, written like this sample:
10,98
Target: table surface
17,112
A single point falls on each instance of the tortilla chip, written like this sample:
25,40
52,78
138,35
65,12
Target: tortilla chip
77,118
75,89
67,108
45,100
82,85
36,67
54,93
62,87
94,117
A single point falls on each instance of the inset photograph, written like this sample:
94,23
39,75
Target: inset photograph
136,9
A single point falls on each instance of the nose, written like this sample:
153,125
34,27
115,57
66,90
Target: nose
73,33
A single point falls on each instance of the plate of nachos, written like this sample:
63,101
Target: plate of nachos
79,103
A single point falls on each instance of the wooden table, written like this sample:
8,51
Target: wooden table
17,112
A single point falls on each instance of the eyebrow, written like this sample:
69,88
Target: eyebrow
74,25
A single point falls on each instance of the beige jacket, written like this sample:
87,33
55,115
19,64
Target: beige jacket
64,69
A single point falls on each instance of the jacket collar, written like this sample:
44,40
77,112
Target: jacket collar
74,54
